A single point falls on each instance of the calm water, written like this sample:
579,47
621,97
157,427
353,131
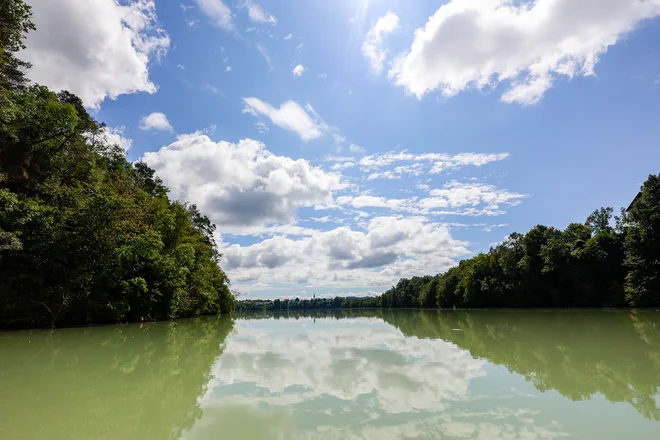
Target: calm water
487,375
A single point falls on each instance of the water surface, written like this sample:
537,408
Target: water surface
486,375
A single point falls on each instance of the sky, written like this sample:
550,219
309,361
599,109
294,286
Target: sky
340,145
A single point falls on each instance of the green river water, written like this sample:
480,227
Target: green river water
487,375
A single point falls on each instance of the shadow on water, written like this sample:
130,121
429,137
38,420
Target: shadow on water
118,382
578,353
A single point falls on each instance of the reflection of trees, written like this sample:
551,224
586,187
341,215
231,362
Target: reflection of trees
578,354
126,382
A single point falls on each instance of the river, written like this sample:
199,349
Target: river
488,375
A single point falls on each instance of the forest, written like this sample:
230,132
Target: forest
604,262
87,237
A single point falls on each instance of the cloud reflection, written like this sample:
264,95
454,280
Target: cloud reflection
351,379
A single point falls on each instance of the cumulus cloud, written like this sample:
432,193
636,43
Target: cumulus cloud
527,45
298,70
95,49
155,121
218,12
305,122
258,15
288,36
240,184
373,41
390,248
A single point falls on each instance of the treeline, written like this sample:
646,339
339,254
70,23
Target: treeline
285,305
603,262
591,264
85,235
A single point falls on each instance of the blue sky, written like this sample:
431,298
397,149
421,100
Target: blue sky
342,145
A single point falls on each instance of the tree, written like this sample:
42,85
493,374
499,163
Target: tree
85,235
642,246
15,23
599,220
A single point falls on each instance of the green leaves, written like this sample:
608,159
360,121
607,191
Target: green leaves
642,246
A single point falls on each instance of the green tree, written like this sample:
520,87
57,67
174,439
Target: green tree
15,23
642,246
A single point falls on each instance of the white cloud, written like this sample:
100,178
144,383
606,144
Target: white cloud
211,88
262,127
356,149
338,138
454,198
228,69
383,175
193,23
456,194
258,15
438,162
414,169
371,47
240,184
298,70
480,43
264,53
305,122
369,201
288,37
343,165
337,158
185,8
95,49
217,11
155,121
116,136
181,66
390,248
442,162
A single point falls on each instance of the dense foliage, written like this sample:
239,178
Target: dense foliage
85,235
